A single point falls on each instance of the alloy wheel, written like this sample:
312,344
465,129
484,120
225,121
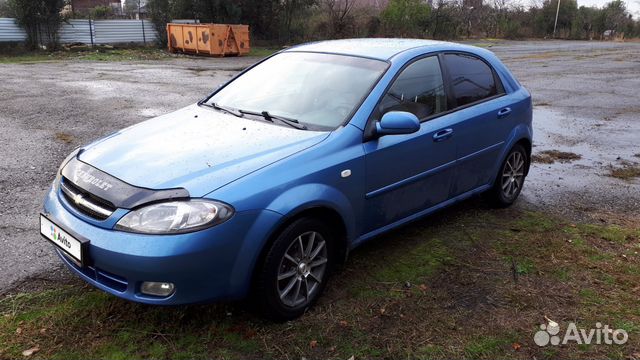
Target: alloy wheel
302,269
513,175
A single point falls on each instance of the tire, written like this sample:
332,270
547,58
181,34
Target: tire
510,178
289,281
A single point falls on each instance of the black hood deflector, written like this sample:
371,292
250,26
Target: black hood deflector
117,192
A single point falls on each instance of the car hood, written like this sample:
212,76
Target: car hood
196,148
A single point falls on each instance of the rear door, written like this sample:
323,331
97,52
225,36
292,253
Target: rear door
483,119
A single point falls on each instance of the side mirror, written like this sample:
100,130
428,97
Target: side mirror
397,122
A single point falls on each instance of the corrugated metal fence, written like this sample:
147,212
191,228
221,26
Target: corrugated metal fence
89,31
117,31
76,30
10,31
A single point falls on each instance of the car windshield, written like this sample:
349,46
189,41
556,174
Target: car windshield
318,90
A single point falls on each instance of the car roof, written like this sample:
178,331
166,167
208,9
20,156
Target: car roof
377,48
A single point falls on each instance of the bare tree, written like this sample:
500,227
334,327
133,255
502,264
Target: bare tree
340,16
499,15
290,12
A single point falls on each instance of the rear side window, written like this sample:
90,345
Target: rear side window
471,78
418,89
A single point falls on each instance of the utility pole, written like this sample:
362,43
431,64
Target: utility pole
556,23
144,36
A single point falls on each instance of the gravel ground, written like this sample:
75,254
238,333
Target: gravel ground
586,97
586,102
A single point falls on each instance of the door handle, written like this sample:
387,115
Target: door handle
504,112
442,135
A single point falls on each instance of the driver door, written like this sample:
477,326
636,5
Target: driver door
411,172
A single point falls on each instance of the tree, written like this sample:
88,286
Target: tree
292,13
268,19
406,17
445,20
341,21
5,10
40,19
160,13
262,16
615,16
499,13
101,12
586,23
219,11
566,15
131,7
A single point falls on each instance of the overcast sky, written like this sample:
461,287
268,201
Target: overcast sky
633,6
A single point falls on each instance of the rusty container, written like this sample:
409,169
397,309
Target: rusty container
209,39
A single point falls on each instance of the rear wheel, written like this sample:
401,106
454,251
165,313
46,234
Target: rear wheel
510,179
295,270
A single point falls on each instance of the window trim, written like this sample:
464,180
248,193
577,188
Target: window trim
499,86
369,129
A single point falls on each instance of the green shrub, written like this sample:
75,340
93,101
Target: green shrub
40,19
406,18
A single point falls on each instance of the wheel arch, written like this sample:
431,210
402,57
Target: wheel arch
526,144
520,135
326,213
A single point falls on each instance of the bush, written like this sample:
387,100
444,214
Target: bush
406,18
101,12
40,19
160,14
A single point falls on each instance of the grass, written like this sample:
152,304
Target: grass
487,346
470,282
98,54
262,51
626,172
108,54
551,156
64,137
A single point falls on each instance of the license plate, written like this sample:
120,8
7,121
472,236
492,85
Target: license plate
71,245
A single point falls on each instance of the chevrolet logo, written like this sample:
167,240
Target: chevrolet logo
78,199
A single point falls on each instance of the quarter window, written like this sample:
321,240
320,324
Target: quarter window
471,78
418,89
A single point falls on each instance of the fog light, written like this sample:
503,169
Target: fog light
157,288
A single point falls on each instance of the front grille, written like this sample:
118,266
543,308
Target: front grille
86,202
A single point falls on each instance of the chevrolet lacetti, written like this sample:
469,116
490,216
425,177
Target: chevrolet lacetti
265,185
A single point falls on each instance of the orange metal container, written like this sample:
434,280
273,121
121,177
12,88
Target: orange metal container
209,39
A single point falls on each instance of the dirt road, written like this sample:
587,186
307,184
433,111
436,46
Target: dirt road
585,95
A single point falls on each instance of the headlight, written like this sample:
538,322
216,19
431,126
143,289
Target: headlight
56,181
175,217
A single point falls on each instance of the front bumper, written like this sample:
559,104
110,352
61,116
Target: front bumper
207,265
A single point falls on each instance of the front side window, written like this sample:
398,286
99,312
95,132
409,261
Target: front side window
418,89
471,78
319,90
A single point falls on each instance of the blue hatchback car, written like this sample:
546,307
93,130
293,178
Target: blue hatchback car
265,185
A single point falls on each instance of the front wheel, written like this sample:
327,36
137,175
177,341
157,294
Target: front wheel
295,270
510,178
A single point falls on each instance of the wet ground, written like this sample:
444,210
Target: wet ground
586,101
585,95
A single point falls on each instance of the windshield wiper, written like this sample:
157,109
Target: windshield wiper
226,109
270,117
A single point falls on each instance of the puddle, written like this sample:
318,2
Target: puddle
582,183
